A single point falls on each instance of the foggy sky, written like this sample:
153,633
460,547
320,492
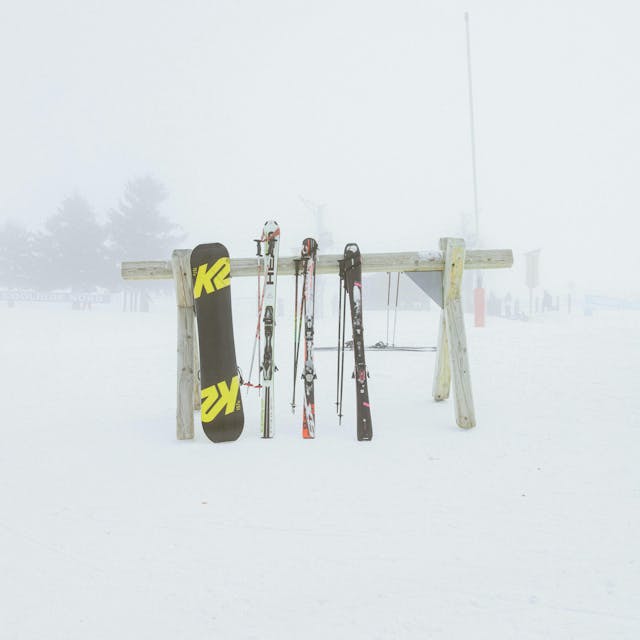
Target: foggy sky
239,107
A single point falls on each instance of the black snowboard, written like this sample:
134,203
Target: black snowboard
221,410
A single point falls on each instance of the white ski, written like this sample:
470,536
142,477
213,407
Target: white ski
270,245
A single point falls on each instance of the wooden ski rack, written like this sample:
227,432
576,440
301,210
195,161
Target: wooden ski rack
452,359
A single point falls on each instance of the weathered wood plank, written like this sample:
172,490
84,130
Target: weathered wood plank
442,374
185,366
456,335
371,263
148,269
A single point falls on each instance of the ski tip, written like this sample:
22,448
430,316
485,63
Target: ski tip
351,248
309,246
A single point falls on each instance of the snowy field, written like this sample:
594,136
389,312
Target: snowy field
526,527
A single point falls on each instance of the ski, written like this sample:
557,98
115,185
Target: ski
305,314
221,406
351,286
270,245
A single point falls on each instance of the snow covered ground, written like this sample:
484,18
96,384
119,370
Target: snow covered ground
526,527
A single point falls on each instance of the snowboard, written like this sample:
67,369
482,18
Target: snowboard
221,408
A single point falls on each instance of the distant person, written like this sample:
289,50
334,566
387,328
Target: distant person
507,306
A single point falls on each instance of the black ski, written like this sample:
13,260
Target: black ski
351,285
221,408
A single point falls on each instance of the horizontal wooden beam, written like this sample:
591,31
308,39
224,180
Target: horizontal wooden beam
371,263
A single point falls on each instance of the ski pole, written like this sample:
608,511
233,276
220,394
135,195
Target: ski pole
343,294
388,301
256,340
344,313
297,327
395,313
338,349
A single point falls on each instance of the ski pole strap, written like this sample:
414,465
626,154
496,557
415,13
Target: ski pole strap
352,256
346,264
300,265
342,268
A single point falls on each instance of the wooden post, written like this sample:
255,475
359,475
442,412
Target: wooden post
442,374
197,399
186,354
454,255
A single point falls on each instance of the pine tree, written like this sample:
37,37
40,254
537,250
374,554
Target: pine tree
17,260
71,251
137,229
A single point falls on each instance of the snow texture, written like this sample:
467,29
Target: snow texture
525,527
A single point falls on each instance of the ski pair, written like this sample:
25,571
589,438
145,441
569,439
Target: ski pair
351,286
267,249
304,314
267,252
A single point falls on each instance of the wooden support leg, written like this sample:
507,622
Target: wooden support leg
442,375
184,298
455,332
196,373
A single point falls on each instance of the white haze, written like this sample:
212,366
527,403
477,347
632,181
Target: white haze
240,107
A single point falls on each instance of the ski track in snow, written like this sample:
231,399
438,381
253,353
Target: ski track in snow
524,527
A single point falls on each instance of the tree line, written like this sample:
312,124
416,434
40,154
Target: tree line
75,251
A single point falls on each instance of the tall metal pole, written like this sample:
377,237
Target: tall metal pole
478,294
473,131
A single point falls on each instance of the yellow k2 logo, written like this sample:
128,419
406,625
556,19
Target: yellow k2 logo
212,279
218,397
